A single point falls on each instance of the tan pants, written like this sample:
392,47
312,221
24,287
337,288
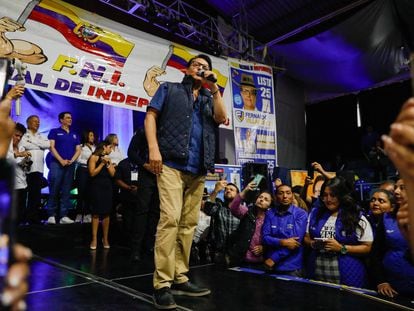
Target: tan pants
180,200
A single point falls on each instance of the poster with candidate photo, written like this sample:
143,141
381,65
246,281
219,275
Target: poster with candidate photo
230,173
253,113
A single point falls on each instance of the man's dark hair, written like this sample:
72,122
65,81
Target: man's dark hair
234,185
62,115
31,116
203,56
20,128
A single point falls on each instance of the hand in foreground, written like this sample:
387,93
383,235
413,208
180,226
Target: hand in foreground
16,286
399,144
386,290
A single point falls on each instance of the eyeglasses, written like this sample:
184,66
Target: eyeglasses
197,64
248,92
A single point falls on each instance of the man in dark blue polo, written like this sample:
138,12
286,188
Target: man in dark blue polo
65,149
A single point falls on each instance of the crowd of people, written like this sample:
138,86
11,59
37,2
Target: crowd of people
335,238
329,236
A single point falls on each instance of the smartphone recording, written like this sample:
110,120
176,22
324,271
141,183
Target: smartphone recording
257,180
311,171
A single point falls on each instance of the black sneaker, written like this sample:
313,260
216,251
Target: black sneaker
189,289
163,299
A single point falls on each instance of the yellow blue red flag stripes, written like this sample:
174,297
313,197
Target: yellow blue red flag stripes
83,35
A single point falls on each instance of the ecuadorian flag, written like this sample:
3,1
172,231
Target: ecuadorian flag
82,35
252,67
179,57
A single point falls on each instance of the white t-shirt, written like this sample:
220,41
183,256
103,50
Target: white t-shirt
19,175
116,156
328,229
36,144
86,152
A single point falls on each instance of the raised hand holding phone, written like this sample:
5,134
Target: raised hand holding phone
257,179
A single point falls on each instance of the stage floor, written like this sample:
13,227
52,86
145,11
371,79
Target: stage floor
66,275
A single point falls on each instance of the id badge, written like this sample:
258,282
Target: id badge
134,176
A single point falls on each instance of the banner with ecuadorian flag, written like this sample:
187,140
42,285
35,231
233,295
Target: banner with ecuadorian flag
81,34
75,53
179,58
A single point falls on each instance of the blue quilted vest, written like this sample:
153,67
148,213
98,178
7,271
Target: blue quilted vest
352,268
174,124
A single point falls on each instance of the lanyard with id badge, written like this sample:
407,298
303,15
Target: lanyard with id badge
134,173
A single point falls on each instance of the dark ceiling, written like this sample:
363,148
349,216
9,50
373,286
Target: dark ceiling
268,20
331,47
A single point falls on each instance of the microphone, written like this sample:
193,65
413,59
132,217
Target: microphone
21,72
209,78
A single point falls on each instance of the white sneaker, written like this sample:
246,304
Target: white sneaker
51,220
87,219
78,218
66,220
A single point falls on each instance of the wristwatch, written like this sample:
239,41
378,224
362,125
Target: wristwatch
343,250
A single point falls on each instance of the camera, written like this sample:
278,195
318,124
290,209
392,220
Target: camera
26,164
319,243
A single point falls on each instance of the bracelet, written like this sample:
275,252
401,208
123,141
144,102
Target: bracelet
214,93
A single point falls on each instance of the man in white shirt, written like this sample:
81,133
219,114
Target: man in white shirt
18,155
36,144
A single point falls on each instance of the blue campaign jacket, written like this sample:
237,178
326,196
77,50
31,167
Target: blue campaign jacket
399,271
352,268
286,225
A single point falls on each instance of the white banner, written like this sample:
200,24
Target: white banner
76,53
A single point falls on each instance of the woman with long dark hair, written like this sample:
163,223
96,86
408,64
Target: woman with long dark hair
101,171
82,176
339,236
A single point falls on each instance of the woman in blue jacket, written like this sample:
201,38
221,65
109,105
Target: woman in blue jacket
339,236
392,268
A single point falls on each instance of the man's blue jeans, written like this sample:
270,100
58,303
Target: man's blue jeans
60,184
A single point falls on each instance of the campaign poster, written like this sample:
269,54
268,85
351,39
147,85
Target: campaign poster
231,173
254,117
